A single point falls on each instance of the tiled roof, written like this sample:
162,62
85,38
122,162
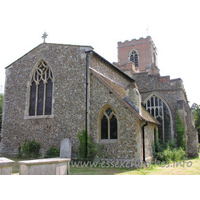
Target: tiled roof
120,92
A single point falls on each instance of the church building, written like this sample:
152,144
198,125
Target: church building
162,97
55,89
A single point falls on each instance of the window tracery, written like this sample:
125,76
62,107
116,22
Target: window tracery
158,109
41,88
108,124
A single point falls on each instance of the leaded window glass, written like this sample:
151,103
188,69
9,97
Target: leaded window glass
134,57
104,128
158,109
41,88
109,125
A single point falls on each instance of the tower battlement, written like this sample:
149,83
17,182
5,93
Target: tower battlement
142,52
135,41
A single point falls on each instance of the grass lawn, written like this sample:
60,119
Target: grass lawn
194,169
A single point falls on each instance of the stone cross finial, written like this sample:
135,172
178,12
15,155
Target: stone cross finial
44,36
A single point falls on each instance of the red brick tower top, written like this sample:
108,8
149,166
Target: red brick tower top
137,56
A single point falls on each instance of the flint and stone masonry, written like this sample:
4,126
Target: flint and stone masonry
68,66
113,90
149,82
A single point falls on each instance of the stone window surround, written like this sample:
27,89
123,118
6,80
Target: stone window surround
107,141
160,97
26,115
129,56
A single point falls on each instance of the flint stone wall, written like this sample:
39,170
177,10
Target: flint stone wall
173,92
68,67
108,71
128,145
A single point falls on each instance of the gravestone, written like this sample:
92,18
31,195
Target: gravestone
65,148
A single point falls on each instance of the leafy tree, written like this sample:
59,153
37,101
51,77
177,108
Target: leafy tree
193,107
1,111
197,119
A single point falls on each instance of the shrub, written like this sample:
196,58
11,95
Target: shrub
30,149
180,129
93,149
172,150
52,152
197,119
178,154
169,154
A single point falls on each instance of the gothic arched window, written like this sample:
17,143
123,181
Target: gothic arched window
134,57
158,108
108,124
41,88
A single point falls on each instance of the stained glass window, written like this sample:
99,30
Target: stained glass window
41,91
104,128
32,99
48,101
109,125
40,99
113,127
108,111
156,107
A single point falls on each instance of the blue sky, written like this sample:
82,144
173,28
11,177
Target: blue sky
173,26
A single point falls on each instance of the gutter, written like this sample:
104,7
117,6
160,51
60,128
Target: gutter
86,101
144,141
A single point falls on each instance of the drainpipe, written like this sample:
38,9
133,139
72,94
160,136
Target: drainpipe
144,141
86,102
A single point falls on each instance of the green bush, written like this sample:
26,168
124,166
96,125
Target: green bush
169,154
30,149
93,149
180,129
52,152
197,119
172,150
178,154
